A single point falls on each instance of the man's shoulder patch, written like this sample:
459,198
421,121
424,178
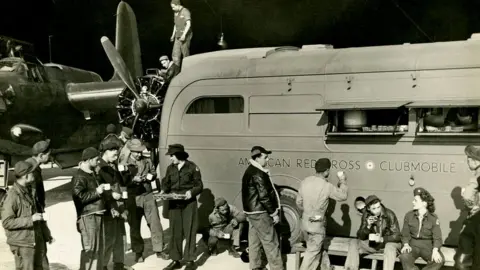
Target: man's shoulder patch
197,169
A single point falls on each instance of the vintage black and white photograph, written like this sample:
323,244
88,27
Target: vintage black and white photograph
240,134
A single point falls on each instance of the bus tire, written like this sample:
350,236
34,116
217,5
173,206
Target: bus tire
291,216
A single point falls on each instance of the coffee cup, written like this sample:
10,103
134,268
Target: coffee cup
124,195
106,186
340,174
154,185
45,216
121,168
149,177
226,236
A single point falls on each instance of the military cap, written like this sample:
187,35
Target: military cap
220,201
109,145
322,165
259,150
136,145
174,149
23,168
89,153
176,2
111,128
419,191
472,152
128,131
41,147
371,199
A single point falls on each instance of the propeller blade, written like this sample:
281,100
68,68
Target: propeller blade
119,65
135,121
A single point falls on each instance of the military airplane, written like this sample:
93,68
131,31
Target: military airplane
71,106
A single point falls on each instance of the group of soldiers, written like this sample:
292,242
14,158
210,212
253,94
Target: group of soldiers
379,232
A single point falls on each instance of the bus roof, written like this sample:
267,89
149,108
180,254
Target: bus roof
321,59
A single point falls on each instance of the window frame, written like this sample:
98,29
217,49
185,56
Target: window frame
191,104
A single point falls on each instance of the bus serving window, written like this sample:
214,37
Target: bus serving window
217,105
368,121
448,120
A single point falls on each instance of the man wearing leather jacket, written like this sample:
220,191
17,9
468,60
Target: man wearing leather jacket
116,212
379,232
87,197
261,204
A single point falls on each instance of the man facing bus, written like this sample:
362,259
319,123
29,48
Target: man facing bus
261,203
469,242
379,232
313,196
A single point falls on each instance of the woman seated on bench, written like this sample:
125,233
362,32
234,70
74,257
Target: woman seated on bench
421,234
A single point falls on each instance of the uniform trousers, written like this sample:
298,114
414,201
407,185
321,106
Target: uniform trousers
420,248
140,206
234,232
181,49
114,236
357,247
183,217
29,258
262,234
313,253
91,229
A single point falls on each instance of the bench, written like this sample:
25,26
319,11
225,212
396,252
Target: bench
338,246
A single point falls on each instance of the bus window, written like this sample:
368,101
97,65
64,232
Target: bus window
214,115
217,105
447,120
368,121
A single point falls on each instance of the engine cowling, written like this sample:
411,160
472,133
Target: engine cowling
142,114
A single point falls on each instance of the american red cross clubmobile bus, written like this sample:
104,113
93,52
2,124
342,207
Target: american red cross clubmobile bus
392,117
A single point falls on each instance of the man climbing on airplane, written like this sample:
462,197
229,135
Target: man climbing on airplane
379,232
182,32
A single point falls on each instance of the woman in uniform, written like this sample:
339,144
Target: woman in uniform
421,234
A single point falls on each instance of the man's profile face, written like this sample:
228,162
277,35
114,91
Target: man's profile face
223,209
375,208
262,160
164,63
175,7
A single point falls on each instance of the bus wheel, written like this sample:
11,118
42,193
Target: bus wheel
291,216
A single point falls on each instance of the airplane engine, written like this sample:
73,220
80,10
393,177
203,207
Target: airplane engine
143,114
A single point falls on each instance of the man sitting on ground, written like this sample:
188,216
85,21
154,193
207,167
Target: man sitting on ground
226,223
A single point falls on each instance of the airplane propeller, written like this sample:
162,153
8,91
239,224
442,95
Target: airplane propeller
145,106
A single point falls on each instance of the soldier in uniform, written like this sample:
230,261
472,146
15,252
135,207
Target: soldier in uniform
116,213
182,177
141,202
23,223
421,233
87,197
469,242
40,155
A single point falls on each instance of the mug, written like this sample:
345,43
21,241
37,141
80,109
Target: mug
106,186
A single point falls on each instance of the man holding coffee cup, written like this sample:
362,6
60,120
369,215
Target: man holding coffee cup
141,202
23,223
313,198
116,213
379,232
87,197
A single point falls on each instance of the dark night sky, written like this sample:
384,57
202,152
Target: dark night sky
77,25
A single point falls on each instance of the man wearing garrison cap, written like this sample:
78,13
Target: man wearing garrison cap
141,202
182,32
261,204
87,194
468,250
40,155
226,223
312,198
23,222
